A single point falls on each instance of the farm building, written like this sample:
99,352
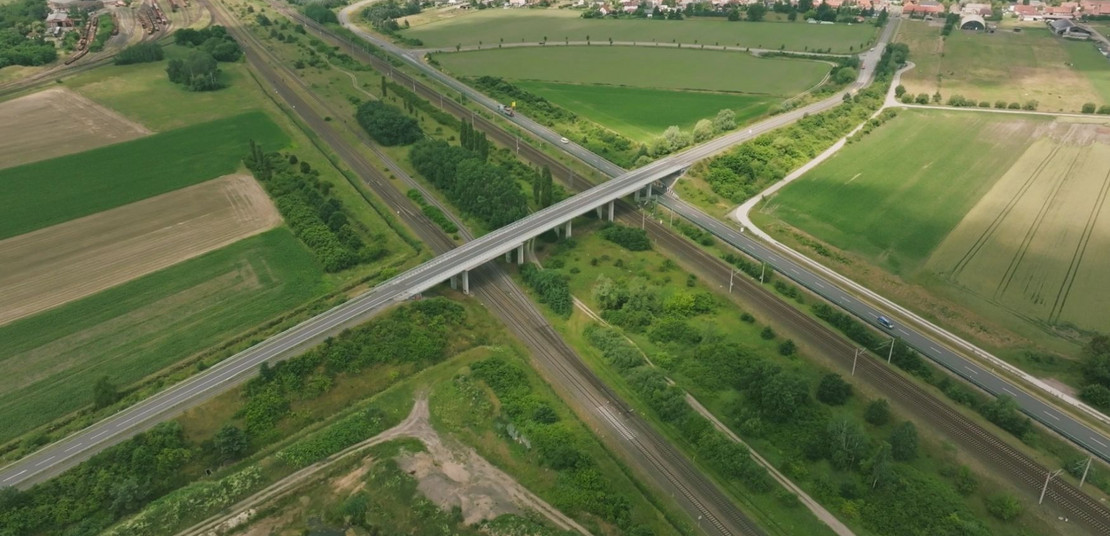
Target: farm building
1067,28
973,22
58,21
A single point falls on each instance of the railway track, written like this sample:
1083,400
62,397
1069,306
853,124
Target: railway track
714,511
969,435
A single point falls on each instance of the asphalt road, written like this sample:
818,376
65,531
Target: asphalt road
968,435
986,379
1081,434
648,452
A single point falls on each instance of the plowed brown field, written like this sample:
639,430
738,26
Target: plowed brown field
52,266
58,122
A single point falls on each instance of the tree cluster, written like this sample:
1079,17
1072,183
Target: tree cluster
543,188
214,40
628,238
316,218
554,442
197,72
22,34
876,486
433,212
140,53
92,496
474,141
731,459
86,500
552,287
418,333
751,167
1095,366
387,124
320,13
483,190
382,15
674,139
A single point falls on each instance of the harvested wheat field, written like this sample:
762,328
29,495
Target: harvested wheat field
58,122
58,264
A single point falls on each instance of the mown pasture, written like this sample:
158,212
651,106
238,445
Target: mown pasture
50,361
493,26
642,113
1033,64
61,189
642,67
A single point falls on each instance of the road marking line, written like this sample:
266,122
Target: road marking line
971,370
1007,389
935,349
15,475
44,461
818,283
77,446
1100,442
1051,415
100,434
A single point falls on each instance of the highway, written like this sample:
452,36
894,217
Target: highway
55,458
642,447
986,379
932,412
1084,436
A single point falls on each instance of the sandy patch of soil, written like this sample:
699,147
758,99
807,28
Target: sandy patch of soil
65,262
58,122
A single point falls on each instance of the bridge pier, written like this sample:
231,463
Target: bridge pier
454,282
612,209
568,228
466,282
520,253
509,256
599,213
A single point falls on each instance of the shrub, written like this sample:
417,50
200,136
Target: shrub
833,390
877,412
1003,506
1088,108
552,287
388,125
139,53
629,238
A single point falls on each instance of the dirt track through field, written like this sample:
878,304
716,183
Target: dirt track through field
58,122
53,266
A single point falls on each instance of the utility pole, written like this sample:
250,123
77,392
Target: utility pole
643,217
1085,469
891,353
1047,478
854,359
762,271
731,273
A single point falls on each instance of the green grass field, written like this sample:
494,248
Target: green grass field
629,66
49,362
642,114
888,199
143,93
523,25
999,217
61,189
1060,75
